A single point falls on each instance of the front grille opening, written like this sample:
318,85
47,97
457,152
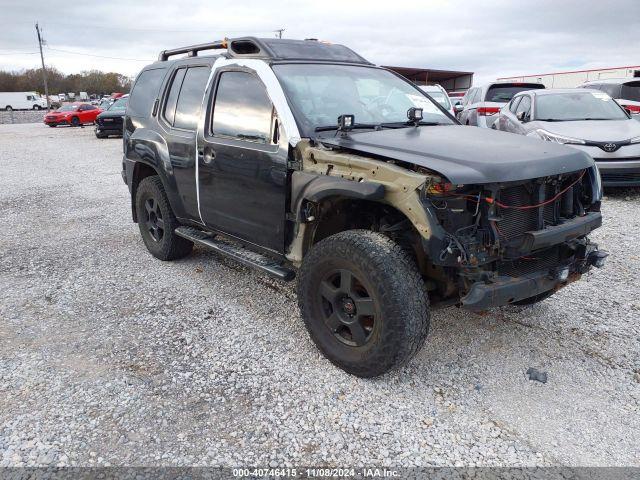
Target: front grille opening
514,221
536,262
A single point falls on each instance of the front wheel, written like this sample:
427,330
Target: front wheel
157,222
75,121
8,108
363,302
37,107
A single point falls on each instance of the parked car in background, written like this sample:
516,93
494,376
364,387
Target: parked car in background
439,94
109,122
589,120
83,97
74,114
481,105
625,91
54,101
105,103
22,101
62,97
456,97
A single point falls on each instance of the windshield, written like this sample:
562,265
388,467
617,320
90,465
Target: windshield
578,106
68,108
120,104
439,97
318,94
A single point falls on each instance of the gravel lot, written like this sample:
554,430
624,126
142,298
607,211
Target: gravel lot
112,357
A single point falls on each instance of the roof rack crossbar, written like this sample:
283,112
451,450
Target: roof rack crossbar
192,50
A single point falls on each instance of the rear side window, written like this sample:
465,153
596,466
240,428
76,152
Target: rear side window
611,89
144,92
190,98
242,108
504,92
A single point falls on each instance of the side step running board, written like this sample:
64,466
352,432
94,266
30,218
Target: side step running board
237,252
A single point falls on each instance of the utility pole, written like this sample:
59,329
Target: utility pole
279,32
44,72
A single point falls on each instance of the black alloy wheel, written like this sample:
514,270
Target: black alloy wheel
157,222
75,121
348,309
154,221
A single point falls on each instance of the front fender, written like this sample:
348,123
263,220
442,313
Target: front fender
315,188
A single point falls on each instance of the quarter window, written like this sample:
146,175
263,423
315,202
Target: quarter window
242,108
172,99
514,104
144,92
524,105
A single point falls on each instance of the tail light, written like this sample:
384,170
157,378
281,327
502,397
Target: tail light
633,108
488,111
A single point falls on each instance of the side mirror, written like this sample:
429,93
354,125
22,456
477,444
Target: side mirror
458,108
522,116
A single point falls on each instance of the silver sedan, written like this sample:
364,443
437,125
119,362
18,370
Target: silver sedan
586,119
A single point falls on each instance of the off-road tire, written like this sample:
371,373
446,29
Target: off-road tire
535,299
170,246
393,282
75,122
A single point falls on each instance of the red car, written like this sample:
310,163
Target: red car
74,114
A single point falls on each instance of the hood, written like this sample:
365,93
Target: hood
467,154
594,130
112,114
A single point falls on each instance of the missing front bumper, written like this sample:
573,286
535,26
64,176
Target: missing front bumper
504,290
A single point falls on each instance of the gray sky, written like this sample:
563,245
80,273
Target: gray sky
493,38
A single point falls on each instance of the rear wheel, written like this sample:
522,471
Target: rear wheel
157,222
363,301
52,125
75,121
37,107
8,108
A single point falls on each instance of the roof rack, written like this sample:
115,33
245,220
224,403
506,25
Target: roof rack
192,50
273,49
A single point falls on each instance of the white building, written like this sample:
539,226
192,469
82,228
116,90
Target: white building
577,77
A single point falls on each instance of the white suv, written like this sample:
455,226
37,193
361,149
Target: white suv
481,105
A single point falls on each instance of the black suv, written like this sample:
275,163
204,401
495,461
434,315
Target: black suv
109,122
300,158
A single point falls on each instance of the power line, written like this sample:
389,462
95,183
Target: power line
162,30
99,56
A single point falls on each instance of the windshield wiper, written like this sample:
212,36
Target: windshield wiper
357,126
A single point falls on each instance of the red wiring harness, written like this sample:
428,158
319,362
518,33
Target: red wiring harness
490,200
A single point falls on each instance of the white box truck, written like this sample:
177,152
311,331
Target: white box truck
22,101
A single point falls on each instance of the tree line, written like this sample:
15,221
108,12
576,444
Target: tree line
90,81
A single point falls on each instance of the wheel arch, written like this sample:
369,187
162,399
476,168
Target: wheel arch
141,170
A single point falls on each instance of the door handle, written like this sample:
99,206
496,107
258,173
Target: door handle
207,155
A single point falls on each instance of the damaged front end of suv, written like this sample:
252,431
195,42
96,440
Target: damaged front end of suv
479,244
